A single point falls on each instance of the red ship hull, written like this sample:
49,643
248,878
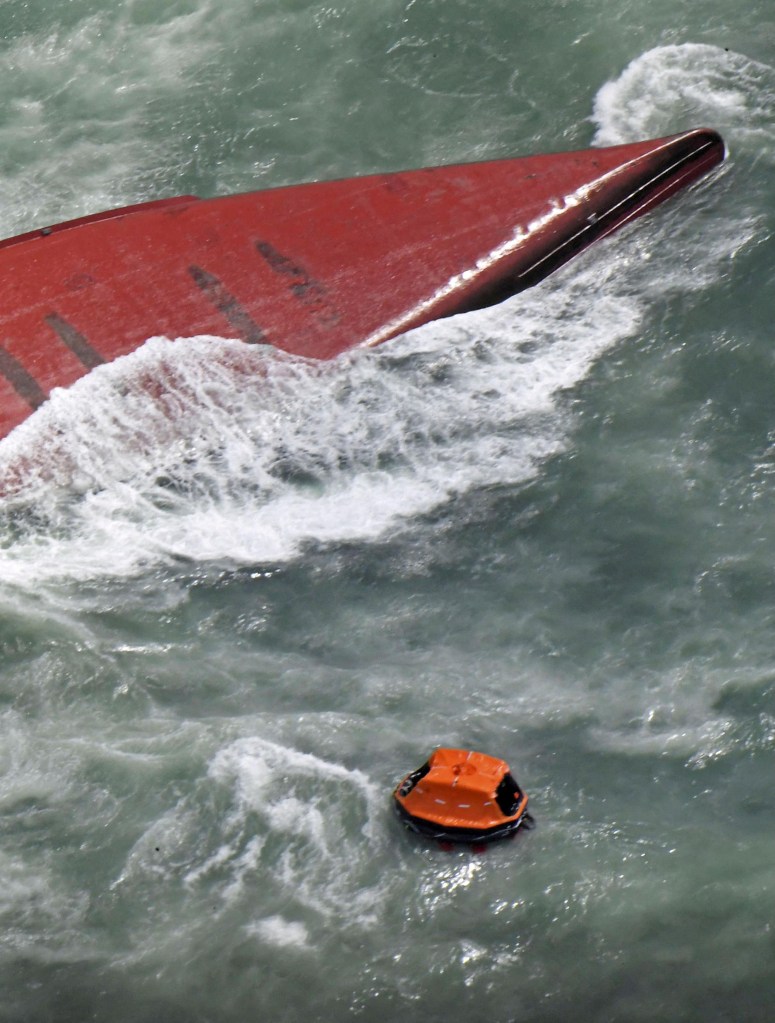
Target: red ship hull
314,269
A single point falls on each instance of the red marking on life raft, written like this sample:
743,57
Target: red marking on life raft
314,269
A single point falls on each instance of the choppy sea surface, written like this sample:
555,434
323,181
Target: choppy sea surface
231,620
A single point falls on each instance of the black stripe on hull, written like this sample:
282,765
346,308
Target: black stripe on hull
25,385
74,340
215,292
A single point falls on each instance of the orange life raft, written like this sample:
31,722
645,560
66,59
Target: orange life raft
462,796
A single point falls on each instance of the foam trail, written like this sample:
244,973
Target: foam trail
674,88
302,829
209,450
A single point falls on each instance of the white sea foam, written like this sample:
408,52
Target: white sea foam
670,89
249,454
99,74
691,85
41,914
301,829
321,863
276,930
39,918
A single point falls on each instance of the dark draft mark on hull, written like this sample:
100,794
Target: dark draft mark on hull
302,286
215,292
25,385
74,340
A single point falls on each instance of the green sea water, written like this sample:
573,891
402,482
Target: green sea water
231,622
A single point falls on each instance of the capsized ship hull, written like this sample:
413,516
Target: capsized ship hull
314,269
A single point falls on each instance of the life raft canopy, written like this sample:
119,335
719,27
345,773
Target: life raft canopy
460,795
